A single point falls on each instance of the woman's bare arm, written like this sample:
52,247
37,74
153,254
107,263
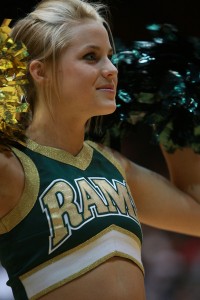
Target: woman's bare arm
184,170
162,204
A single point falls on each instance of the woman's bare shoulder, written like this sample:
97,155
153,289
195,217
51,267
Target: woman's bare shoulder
11,180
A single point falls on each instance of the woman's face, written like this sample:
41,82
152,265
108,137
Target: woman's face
87,77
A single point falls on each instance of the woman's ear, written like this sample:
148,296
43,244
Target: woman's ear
37,71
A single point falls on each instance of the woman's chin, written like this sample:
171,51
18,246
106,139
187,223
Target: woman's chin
109,109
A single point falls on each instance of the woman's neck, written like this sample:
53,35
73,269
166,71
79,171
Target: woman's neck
68,138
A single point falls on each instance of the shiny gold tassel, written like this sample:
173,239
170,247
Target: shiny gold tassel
13,70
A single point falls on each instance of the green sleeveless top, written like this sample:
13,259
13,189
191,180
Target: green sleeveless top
75,213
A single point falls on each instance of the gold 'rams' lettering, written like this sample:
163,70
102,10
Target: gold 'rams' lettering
97,197
62,213
118,195
90,198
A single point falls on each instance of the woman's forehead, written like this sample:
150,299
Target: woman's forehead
90,33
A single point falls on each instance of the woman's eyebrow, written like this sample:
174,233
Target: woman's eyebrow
95,47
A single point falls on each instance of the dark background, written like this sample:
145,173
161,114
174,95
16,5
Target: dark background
130,17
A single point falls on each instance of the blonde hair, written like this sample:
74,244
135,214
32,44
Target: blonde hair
46,31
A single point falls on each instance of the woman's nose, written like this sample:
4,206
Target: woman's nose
109,70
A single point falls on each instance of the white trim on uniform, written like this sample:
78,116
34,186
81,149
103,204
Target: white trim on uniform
73,263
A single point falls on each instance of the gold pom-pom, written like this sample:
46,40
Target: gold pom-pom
13,69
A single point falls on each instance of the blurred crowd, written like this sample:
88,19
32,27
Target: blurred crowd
5,291
172,264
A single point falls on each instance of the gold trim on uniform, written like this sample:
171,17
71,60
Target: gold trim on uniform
132,239
29,196
107,155
115,163
81,161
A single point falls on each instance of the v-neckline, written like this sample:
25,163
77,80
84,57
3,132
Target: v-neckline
81,160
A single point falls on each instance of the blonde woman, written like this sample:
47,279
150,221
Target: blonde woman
68,221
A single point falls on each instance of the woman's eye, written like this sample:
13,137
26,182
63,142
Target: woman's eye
90,57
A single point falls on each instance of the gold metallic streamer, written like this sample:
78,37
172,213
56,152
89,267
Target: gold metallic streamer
13,105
